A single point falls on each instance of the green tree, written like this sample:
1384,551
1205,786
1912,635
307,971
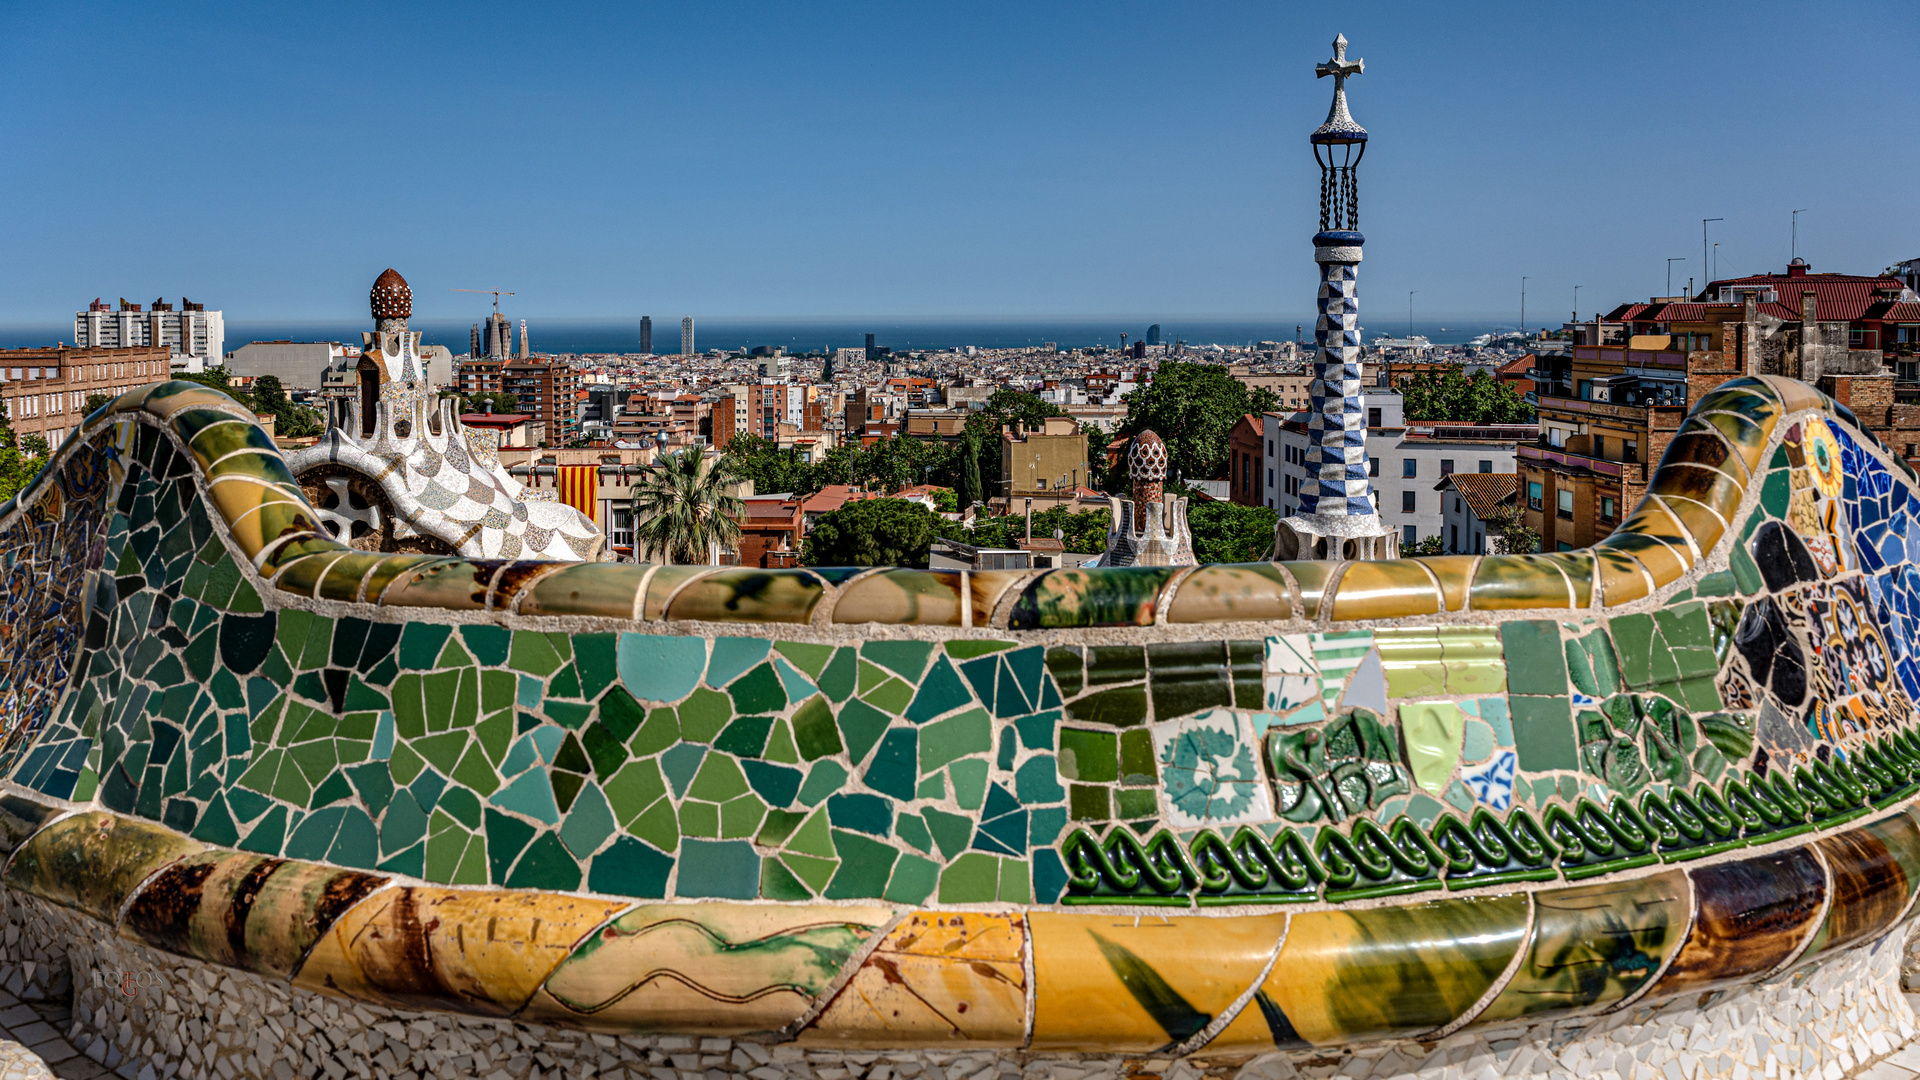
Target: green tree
1432,545
684,507
772,470
872,532
269,396
94,401
1225,532
826,370
1508,532
21,459
1004,407
1454,395
221,381
1192,407
968,489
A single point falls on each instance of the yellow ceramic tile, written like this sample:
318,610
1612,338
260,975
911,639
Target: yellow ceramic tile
1385,590
1622,578
666,581
1116,983
1593,946
903,596
744,594
453,584
988,587
1749,440
1515,582
1665,561
1379,973
301,575
1226,593
941,978
426,947
1412,661
599,590
706,969
1795,395
91,862
1701,523
1475,660
256,514
1455,573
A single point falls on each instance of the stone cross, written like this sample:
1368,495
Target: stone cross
1340,67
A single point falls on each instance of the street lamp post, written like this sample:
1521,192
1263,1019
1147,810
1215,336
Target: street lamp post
1703,243
1670,263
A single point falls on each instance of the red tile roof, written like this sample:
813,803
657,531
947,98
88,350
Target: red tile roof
1483,491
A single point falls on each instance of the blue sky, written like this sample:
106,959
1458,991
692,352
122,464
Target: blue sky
939,159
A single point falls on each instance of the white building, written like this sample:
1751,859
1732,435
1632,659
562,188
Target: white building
1406,460
195,336
686,336
1468,502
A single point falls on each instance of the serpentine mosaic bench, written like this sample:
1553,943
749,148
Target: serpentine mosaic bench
1226,810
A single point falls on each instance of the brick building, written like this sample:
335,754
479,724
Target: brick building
45,390
1609,407
550,390
1245,468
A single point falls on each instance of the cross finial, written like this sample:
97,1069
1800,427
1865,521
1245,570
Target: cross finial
1340,67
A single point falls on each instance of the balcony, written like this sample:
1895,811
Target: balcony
1544,456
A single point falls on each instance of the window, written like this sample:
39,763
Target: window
1269,477
1479,543
1606,508
1453,538
1533,496
1486,466
1409,536
1373,466
1446,466
1373,417
1409,467
1564,498
1563,546
1630,451
1456,504
1406,502
1556,438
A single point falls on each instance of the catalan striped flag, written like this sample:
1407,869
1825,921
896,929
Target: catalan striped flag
580,488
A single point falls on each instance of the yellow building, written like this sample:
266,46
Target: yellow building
1046,466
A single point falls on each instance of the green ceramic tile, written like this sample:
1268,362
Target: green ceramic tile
1535,662
1431,735
893,771
974,878
701,819
704,715
1187,677
932,787
1634,637
968,649
825,778
1091,756
913,880
740,817
811,659
1108,664
1089,802
1136,804
1137,764
780,744
1543,733
905,658
815,734
941,692
949,831
1065,665
538,654
718,780
779,883
1120,706
837,679
758,691
970,732
893,695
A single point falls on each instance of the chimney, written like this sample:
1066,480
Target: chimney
1808,309
1797,268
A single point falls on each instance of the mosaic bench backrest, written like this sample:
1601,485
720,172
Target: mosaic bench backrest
1231,807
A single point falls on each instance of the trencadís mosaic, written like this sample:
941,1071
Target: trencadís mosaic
1708,714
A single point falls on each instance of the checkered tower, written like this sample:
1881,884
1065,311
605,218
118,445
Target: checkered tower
1337,517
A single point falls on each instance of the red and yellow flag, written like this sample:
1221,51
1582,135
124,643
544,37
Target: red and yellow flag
580,488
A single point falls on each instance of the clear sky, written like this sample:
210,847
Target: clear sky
1146,160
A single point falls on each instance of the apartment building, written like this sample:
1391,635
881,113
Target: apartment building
548,389
1047,466
1610,404
45,391
194,337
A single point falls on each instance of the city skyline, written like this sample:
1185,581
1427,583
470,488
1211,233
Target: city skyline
877,163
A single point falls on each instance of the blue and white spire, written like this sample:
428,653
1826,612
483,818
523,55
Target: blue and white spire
1337,517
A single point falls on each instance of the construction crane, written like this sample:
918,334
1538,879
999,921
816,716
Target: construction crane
497,294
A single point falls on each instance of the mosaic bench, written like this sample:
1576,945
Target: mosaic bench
1225,809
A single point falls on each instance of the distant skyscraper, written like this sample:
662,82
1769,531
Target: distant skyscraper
473,346
525,351
1153,334
686,336
646,334
869,348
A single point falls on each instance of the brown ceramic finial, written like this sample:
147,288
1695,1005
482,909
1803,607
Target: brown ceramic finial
391,297
1147,467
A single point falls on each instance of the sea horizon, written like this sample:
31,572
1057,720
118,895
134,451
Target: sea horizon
604,335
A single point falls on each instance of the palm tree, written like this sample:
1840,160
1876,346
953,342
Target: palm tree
684,507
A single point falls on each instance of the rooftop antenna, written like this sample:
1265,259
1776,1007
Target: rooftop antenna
1410,293
1796,232
1703,243
1576,303
1716,260
497,294
1523,305
1670,263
